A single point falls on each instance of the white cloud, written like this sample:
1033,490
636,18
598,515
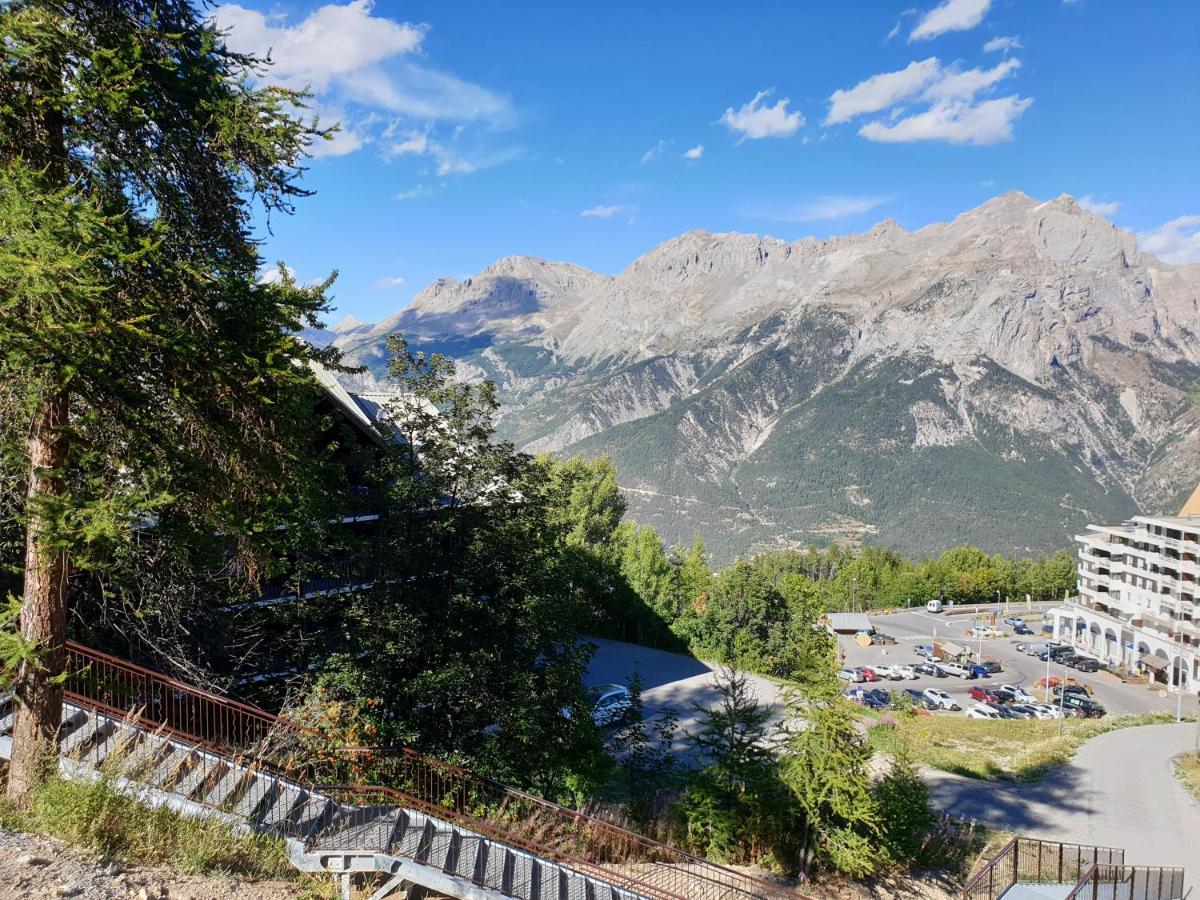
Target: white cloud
602,212
383,284
415,143
986,122
274,275
1176,242
655,151
822,209
950,15
695,153
332,42
1100,207
1003,44
891,34
963,86
412,193
755,120
359,65
954,112
881,91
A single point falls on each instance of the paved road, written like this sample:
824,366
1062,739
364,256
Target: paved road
1120,791
669,680
915,627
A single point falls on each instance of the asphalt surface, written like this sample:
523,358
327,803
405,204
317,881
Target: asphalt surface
914,627
1119,791
670,680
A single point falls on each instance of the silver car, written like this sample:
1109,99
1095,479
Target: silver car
611,703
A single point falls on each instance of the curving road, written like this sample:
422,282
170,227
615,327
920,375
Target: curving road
1119,791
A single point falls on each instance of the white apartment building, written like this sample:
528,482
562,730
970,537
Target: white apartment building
1139,596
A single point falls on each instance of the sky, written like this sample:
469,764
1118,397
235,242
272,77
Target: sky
592,132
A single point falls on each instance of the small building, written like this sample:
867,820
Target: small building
849,623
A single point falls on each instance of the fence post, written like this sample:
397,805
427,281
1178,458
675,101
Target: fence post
1016,861
1060,863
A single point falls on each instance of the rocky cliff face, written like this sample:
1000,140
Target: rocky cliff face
1002,378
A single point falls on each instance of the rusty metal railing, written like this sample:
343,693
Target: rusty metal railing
1111,882
580,841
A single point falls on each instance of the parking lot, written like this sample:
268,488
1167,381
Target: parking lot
912,627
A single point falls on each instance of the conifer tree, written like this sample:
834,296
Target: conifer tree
144,369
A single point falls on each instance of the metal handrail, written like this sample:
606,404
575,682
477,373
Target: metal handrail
1029,859
1089,878
234,729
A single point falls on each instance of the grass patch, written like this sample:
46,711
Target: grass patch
1187,770
95,816
1015,749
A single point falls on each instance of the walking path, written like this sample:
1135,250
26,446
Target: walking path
1119,791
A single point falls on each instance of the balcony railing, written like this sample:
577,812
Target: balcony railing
1118,882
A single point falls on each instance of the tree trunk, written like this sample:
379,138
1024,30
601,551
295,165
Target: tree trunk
38,709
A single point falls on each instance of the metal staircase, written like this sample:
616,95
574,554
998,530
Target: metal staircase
434,826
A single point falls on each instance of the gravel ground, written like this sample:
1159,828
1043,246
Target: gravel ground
35,867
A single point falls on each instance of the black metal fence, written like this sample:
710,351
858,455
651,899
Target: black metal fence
1045,862
1104,882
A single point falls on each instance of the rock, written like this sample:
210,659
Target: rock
68,890
28,859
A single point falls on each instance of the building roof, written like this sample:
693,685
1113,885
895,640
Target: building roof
362,415
850,622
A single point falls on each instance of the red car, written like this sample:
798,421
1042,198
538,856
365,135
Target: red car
983,695
868,673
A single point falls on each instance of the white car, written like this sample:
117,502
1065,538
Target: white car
852,675
1018,693
983,711
906,672
940,699
1046,711
986,631
887,672
611,703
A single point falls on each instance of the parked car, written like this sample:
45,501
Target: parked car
1045,711
986,631
1014,621
611,704
977,670
1023,710
941,699
1072,687
867,673
955,669
1085,705
852,675
906,672
1033,649
888,672
983,694
1022,629
980,711
918,697
925,650
991,665
881,638
868,698
928,668
1015,693
1088,665
934,606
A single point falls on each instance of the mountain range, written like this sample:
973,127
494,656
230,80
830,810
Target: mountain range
1001,379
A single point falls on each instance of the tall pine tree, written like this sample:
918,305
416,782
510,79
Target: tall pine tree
144,368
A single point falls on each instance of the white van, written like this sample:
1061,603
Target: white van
934,606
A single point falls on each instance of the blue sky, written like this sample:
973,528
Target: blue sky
591,132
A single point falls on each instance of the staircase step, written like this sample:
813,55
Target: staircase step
200,770
170,769
223,787
441,842
288,797
497,867
313,816
467,856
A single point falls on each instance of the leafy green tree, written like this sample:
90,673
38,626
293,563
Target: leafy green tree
735,806
466,638
145,368
645,752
